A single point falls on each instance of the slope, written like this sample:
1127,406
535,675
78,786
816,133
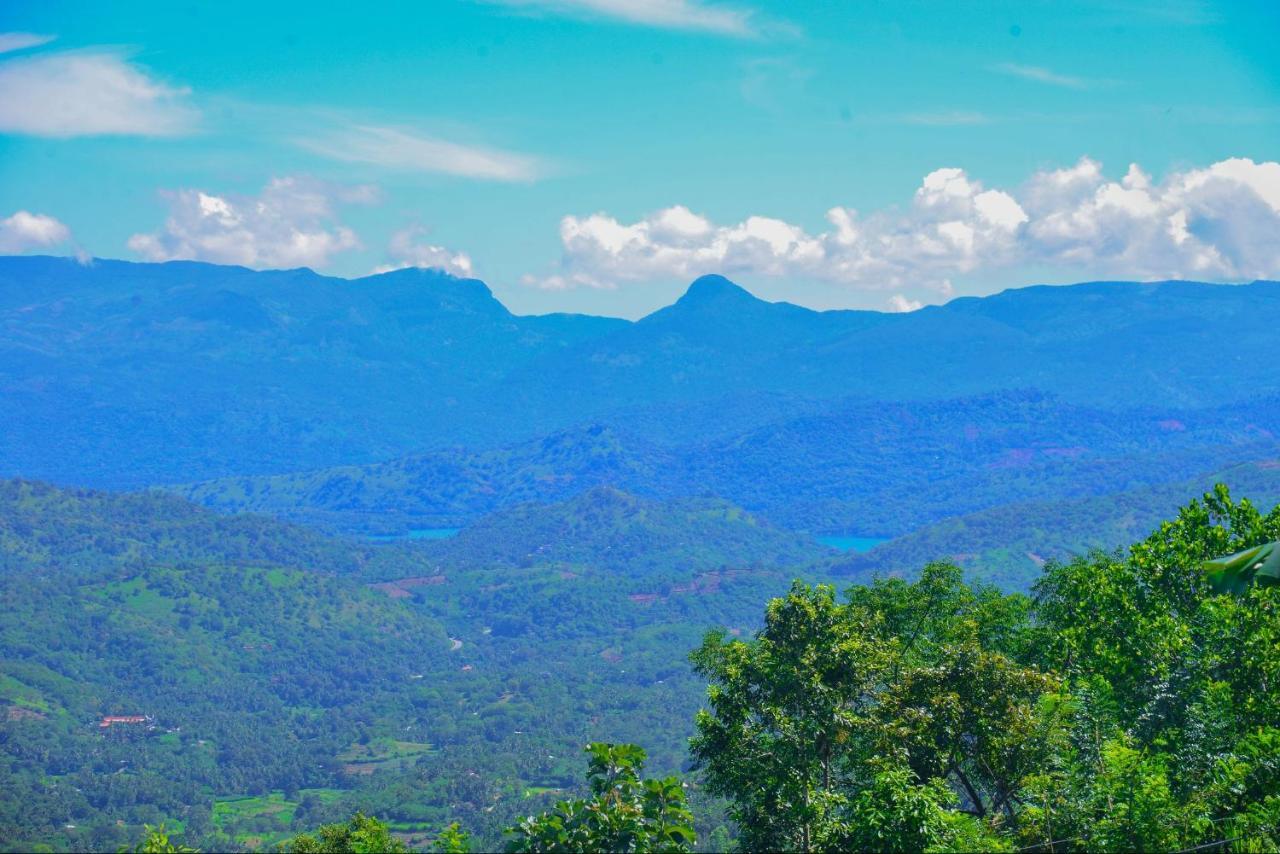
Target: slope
851,467
620,533
1007,545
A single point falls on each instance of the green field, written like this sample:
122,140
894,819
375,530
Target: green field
382,753
266,818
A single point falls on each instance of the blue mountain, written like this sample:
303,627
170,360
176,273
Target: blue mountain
121,374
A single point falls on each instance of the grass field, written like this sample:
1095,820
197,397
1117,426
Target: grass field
263,820
382,753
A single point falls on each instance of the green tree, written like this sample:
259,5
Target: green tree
849,725
361,835
624,812
452,840
156,841
1174,685
783,709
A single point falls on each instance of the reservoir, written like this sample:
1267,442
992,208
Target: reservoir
852,544
416,534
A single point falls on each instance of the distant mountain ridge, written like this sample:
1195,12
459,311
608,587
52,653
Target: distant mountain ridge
858,467
124,375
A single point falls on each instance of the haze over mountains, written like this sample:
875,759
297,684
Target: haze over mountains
127,375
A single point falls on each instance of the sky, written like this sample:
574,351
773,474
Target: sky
597,155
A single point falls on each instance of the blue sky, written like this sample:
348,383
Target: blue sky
594,155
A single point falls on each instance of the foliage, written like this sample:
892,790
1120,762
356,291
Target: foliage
624,812
157,841
1234,573
452,840
1127,707
845,725
360,835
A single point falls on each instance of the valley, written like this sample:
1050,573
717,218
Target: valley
492,538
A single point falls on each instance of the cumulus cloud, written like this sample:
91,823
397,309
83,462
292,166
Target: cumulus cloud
1220,222
407,249
25,230
411,152
900,304
86,94
664,14
22,41
291,223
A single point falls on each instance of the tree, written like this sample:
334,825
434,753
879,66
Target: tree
452,840
361,835
783,708
847,726
624,812
157,841
1175,688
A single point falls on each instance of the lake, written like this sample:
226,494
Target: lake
852,544
417,534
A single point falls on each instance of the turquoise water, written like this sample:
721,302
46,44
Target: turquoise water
418,534
852,544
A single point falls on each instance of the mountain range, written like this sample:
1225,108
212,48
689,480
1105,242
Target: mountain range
124,375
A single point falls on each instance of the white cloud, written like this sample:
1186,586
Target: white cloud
665,14
291,223
86,94
22,41
900,304
1042,75
398,149
25,230
407,250
1218,222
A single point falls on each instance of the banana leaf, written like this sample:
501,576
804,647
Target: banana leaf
1234,573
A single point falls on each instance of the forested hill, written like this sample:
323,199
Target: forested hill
1008,545
85,531
286,677
630,536
127,374
236,665
863,467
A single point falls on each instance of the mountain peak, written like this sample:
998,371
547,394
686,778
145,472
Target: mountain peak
714,288
416,287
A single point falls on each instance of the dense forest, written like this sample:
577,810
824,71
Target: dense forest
285,681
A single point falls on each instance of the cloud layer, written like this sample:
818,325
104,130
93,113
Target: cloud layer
291,223
397,149
1219,222
21,41
665,14
93,93
24,231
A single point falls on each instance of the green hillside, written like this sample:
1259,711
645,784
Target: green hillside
1008,545
286,677
608,529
